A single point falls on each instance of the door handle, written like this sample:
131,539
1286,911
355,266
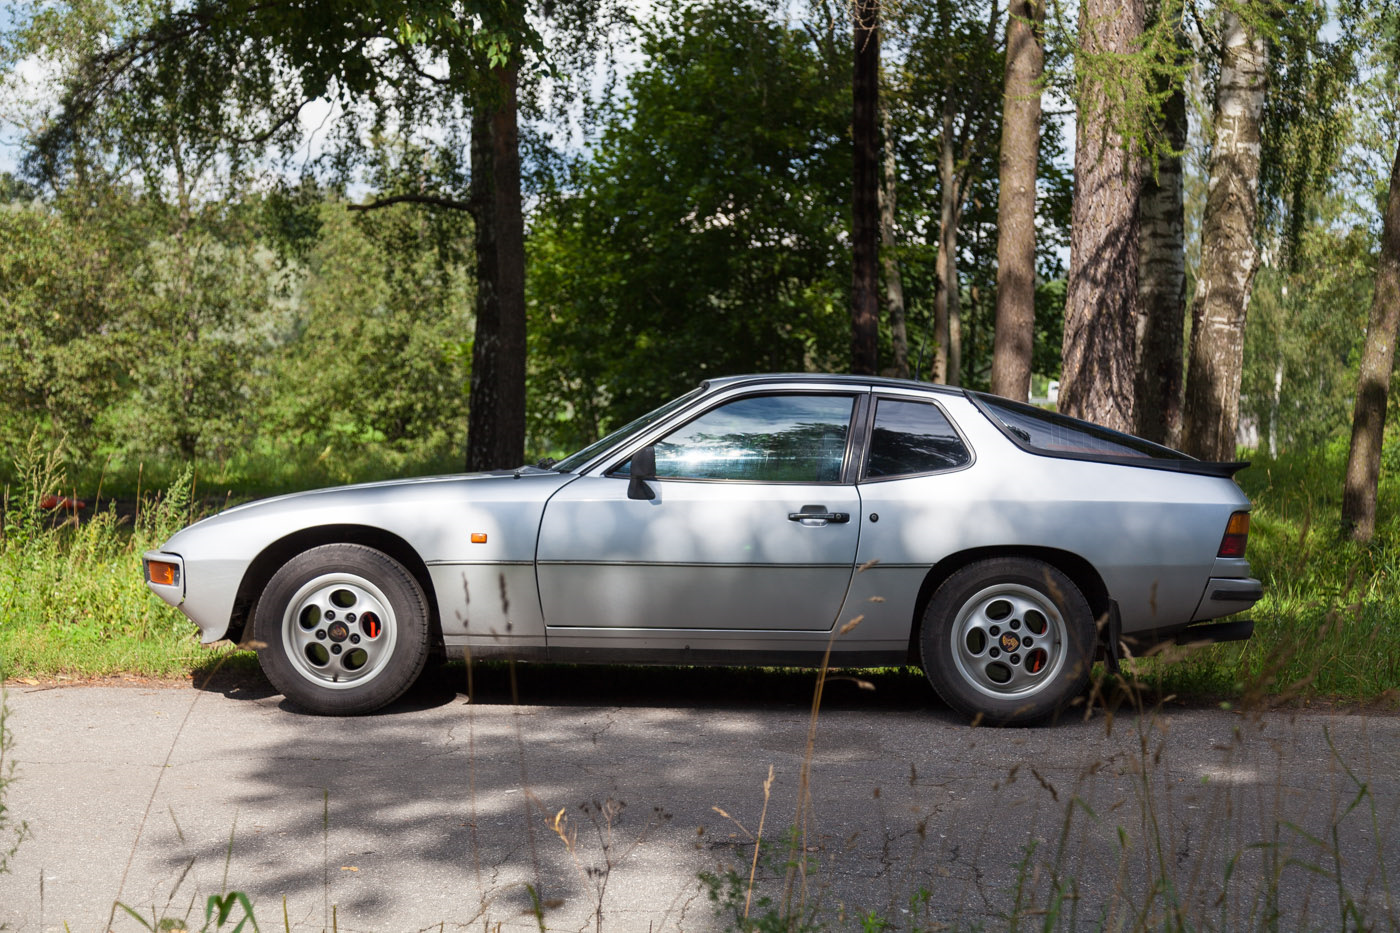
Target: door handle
818,513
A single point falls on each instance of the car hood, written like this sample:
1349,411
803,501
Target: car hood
429,513
378,490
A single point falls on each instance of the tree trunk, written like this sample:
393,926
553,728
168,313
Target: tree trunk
1020,148
894,282
947,361
1162,284
1210,417
496,429
865,211
1373,382
1097,363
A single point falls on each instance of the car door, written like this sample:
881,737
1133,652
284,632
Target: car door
723,543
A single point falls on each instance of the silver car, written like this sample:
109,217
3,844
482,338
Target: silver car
755,520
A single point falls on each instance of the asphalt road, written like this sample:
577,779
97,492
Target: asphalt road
440,813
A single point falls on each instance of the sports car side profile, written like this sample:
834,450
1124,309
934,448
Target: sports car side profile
999,546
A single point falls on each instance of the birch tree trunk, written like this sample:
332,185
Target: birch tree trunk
865,220
1210,416
496,425
1020,146
1373,382
1098,360
1162,285
894,282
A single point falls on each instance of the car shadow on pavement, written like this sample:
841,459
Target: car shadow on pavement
497,683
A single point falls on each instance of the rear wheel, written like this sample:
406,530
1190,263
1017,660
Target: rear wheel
342,629
1010,639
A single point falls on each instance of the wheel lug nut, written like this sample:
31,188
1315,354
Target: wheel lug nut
321,634
330,613
995,630
1026,642
349,617
995,652
335,649
1015,659
354,639
1016,623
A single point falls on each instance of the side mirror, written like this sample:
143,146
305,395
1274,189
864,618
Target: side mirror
643,469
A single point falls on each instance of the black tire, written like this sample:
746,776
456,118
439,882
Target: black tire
342,629
1010,639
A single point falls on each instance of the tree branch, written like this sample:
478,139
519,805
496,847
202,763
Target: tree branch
431,200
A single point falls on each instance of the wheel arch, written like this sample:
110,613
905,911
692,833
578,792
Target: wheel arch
1079,570
272,557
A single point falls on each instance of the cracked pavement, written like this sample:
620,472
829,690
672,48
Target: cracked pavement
445,813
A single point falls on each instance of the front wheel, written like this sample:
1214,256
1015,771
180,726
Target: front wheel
342,629
1009,639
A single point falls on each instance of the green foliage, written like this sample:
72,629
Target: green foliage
703,235
1307,111
218,912
1128,87
68,299
72,599
137,332
743,905
373,361
1303,338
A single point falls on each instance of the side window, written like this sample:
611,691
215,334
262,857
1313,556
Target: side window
912,437
769,438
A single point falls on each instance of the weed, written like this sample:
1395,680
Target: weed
612,851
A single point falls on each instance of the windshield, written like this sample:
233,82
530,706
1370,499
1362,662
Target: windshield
572,462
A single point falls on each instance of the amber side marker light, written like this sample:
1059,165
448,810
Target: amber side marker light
1236,536
478,537
158,571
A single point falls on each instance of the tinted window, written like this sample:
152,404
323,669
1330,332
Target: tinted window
771,438
1050,432
912,437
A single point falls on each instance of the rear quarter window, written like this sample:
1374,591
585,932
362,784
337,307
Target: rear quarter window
908,438
1057,435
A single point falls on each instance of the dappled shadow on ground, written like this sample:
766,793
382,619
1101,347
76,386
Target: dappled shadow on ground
643,777
616,787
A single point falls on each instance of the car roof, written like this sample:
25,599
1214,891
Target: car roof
828,379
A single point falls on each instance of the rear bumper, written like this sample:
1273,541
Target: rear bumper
1225,596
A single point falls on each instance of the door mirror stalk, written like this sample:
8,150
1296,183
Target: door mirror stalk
643,469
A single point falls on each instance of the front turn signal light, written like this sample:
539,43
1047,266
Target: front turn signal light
1236,536
162,572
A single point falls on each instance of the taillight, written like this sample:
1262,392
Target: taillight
1236,536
